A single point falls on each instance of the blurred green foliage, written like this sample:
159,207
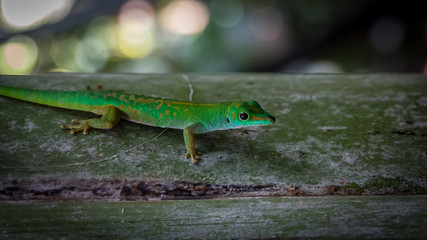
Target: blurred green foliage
142,36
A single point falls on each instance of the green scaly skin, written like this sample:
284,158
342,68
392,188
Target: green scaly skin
192,117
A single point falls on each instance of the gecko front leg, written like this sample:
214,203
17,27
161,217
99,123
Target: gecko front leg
189,144
111,116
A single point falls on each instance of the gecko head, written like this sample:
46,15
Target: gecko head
247,114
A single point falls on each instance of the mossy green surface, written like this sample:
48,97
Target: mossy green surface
379,217
330,130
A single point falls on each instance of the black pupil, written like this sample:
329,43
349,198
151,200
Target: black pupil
243,116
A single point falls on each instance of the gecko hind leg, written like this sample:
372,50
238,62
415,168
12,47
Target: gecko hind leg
108,120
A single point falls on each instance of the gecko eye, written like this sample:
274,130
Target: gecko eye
243,116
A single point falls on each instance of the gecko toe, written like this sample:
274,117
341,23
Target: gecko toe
195,157
195,160
77,126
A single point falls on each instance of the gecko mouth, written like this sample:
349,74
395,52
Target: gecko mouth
272,119
264,121
268,118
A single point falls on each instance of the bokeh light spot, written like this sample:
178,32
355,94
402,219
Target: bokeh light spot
14,55
22,14
63,52
91,54
18,55
135,29
60,70
136,48
104,29
324,66
267,24
136,16
184,17
226,13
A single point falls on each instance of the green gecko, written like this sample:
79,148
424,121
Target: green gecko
193,118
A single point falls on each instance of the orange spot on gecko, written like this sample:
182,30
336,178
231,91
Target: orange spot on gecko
159,106
184,103
123,98
174,114
234,116
108,95
132,97
255,109
167,112
143,99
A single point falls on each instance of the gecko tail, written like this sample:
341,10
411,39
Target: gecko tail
62,99
16,92
30,95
